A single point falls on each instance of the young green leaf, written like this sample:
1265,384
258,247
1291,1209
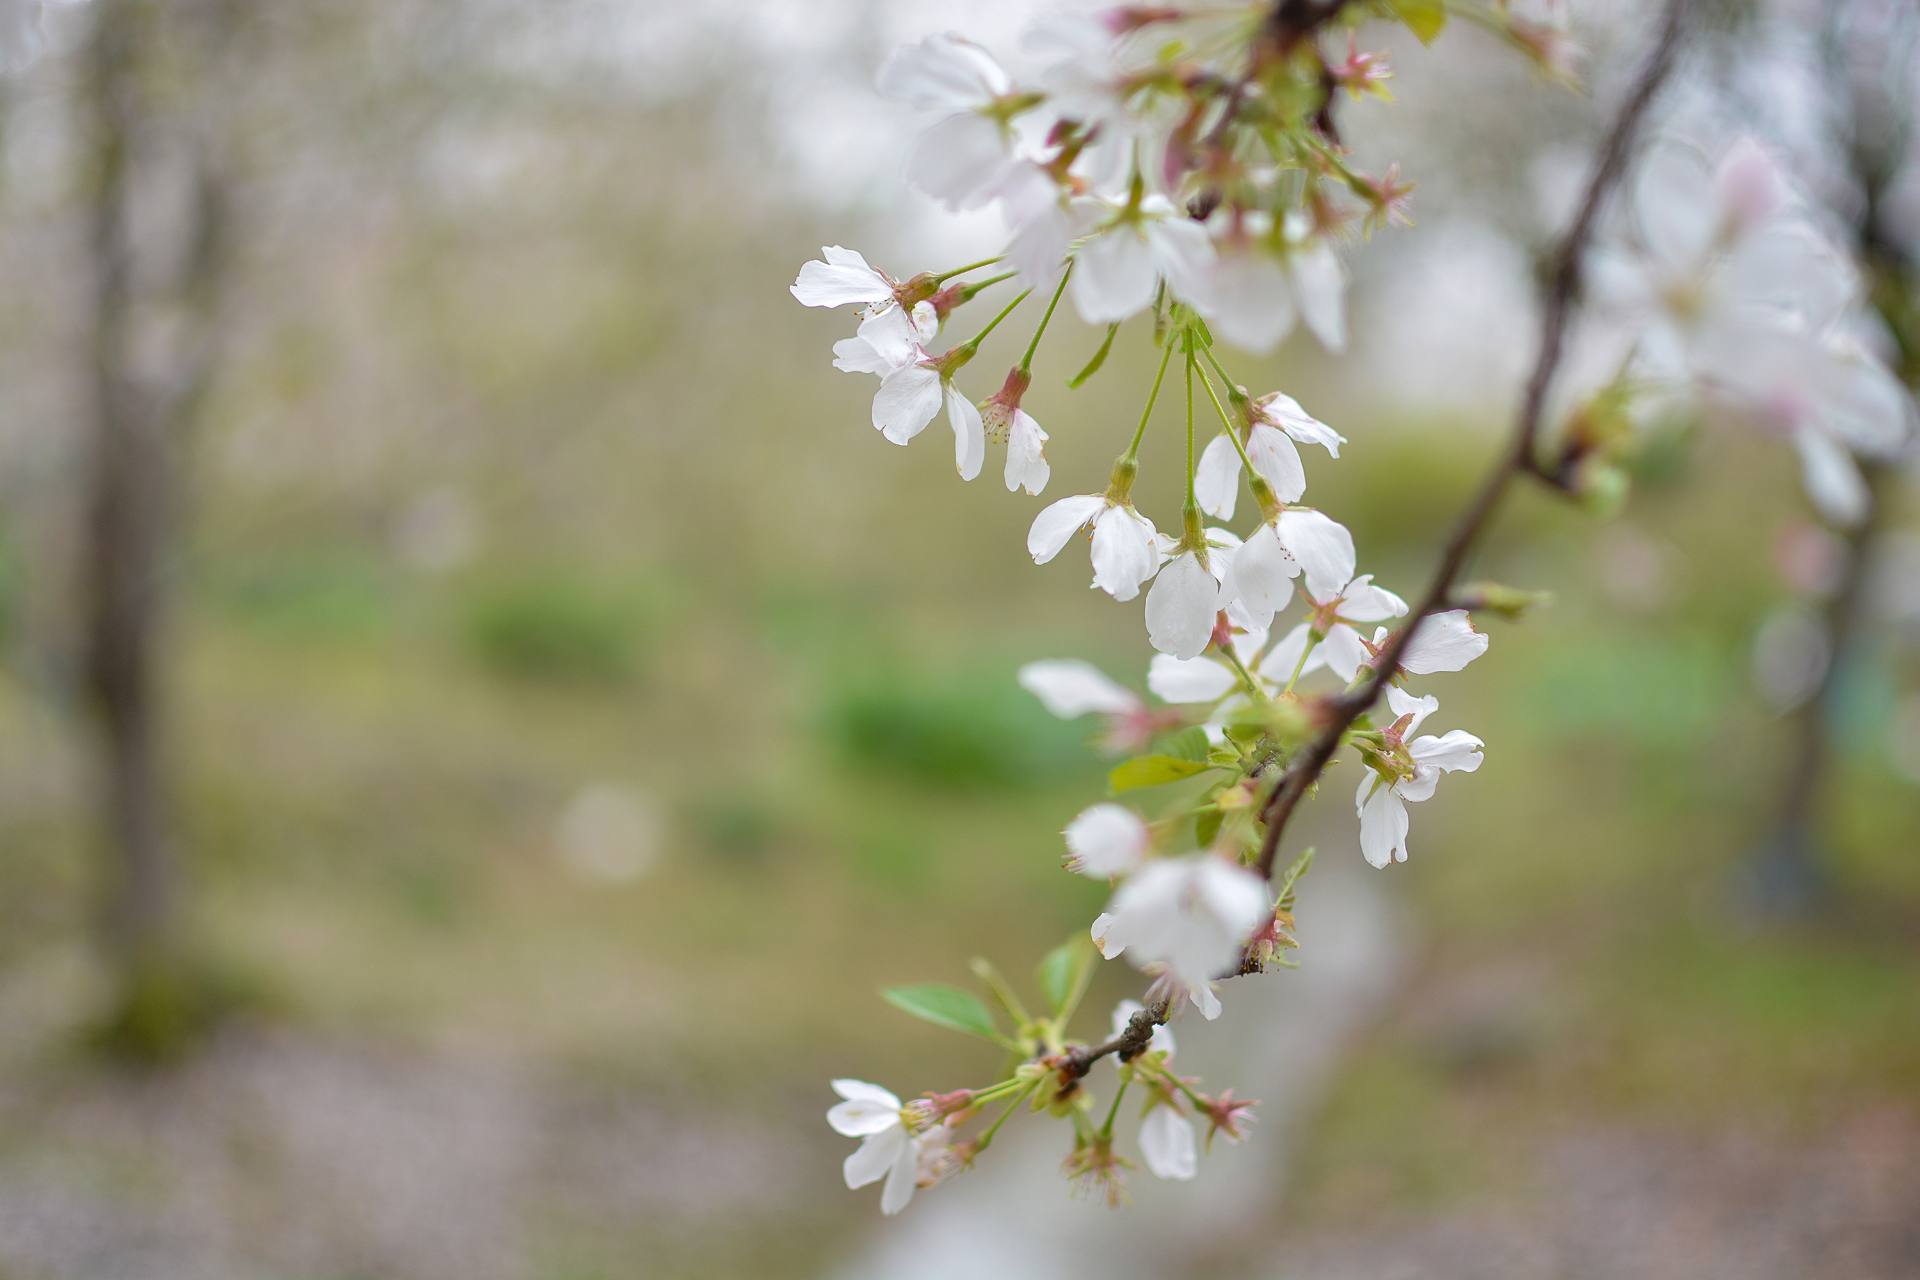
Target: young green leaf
1062,971
944,1006
1099,358
1187,744
1425,18
1151,771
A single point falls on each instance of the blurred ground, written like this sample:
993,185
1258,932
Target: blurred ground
580,713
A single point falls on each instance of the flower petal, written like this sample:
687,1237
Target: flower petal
1106,840
1068,687
1181,607
906,402
969,434
1188,679
875,1157
1442,642
1324,549
1216,479
1167,1143
1059,521
1383,821
1125,554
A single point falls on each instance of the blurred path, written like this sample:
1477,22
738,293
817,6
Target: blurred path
1279,1040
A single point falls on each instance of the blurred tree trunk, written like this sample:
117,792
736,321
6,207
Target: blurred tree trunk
151,291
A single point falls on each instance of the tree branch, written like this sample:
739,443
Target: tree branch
1561,293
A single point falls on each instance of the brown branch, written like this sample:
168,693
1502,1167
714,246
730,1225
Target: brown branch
1562,290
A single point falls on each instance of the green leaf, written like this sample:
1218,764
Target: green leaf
1425,18
944,1006
1188,744
1099,358
1207,825
1062,970
1291,879
1152,771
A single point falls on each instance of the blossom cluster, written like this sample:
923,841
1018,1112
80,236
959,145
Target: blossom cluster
1745,309
1181,167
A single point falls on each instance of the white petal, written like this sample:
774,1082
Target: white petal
943,72
1106,840
1114,275
1216,478
1059,521
1188,679
1442,642
1383,821
1181,252
860,1091
1181,607
1263,574
1278,462
1414,709
844,278
960,161
1320,289
875,1158
1167,1142
1455,751
969,435
1106,936
906,402
1246,299
901,1179
1205,1000
1364,602
1324,549
1068,687
1298,423
1027,466
1124,552
1832,478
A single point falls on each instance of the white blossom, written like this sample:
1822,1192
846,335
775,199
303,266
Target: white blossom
1277,420
888,1149
962,160
1126,552
1118,269
1324,550
1255,287
1107,840
1188,917
1382,798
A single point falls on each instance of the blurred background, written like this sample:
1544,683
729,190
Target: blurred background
481,713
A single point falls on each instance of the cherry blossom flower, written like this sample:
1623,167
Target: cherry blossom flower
1286,545
1070,688
912,393
1274,422
1107,840
1257,285
1402,772
1126,552
1324,550
961,160
1188,917
1118,269
889,1146
1204,679
1713,247
887,342
1005,422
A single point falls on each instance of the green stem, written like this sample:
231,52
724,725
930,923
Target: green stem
960,271
984,970
1133,450
1026,361
973,343
1313,640
986,1137
1106,1127
973,288
1233,433
1246,676
1174,1080
1192,509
